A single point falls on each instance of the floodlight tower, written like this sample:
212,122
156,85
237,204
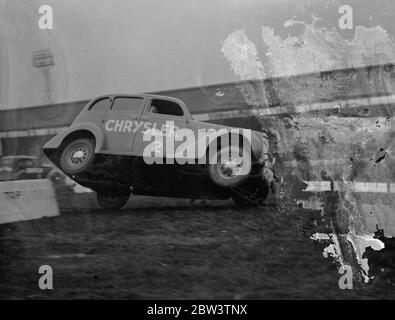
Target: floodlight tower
44,60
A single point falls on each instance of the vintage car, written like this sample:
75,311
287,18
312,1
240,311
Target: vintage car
21,167
151,145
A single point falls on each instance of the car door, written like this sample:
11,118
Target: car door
96,112
121,123
161,117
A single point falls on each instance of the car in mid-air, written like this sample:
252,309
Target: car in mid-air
21,167
150,145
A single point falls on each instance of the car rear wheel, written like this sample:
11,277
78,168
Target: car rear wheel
77,155
230,166
112,201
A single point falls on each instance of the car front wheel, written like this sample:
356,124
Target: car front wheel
230,166
77,155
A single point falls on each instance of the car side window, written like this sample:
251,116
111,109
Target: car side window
129,105
166,107
100,105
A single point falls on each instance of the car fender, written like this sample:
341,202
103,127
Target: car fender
56,141
258,145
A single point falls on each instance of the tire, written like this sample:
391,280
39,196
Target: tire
230,166
110,201
77,156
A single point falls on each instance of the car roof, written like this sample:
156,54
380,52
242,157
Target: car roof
142,96
138,95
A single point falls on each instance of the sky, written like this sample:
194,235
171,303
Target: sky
128,46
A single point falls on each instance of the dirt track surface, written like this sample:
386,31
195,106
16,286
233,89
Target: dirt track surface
167,249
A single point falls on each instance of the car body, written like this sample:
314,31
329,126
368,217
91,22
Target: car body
21,167
152,145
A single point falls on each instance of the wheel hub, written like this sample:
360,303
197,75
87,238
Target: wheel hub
231,167
78,155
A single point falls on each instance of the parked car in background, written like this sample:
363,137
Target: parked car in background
21,167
